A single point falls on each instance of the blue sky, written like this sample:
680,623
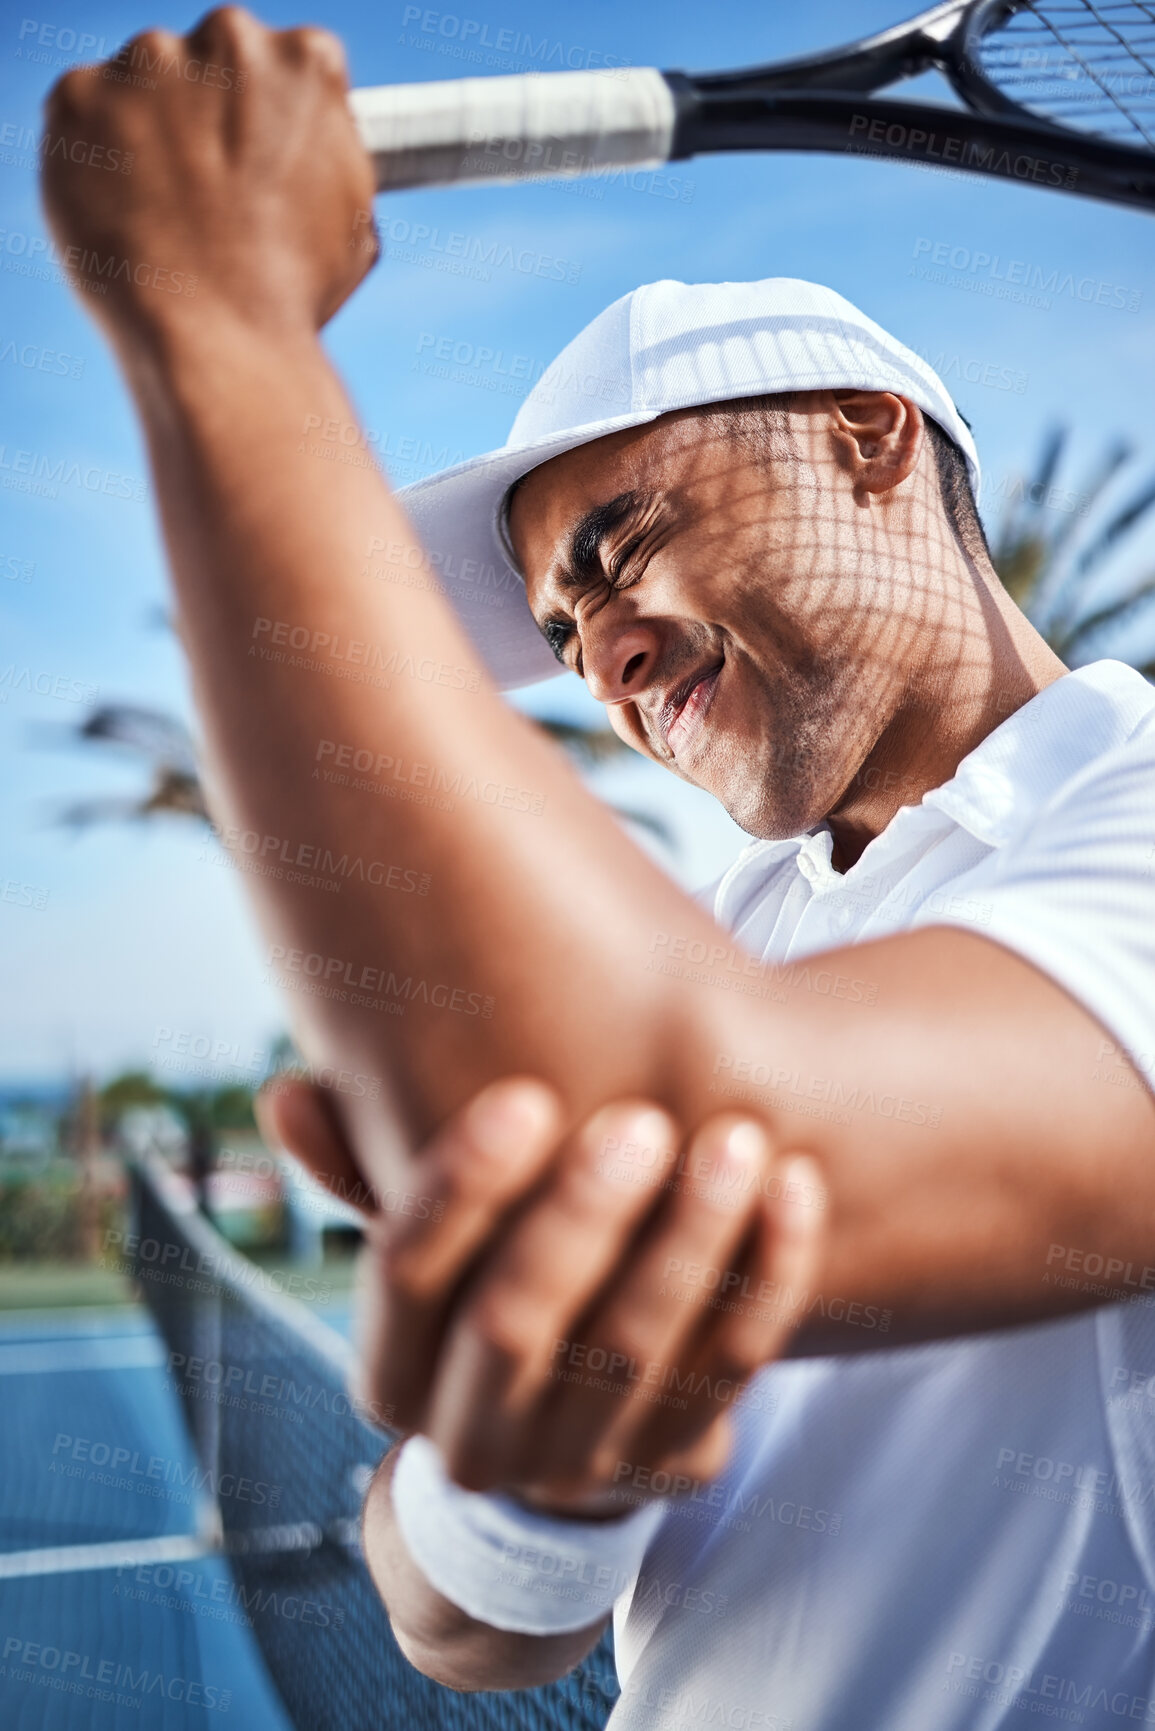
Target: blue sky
143,930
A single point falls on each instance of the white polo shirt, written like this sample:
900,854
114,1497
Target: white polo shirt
961,1535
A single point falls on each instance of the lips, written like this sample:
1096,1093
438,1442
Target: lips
683,712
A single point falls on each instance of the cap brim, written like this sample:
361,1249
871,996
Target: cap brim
456,515
456,512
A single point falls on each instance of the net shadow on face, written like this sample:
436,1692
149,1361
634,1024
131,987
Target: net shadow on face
836,569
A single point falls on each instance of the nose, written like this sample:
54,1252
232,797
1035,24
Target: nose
617,658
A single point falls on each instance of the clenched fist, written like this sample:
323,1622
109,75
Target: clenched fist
243,187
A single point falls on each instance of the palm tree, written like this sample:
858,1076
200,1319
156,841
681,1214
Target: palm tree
166,747
1048,550
1052,543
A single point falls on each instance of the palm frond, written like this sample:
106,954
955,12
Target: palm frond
1021,551
1045,471
1046,568
149,733
84,813
1113,615
1021,563
1063,611
1119,524
180,794
171,792
1115,456
166,745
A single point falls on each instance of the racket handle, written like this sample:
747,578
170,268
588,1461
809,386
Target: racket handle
529,126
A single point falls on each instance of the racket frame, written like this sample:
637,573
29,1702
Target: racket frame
826,102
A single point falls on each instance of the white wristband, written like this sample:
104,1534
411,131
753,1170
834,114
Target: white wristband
529,1573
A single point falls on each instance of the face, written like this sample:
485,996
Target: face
740,614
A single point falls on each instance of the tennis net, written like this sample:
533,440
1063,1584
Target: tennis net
284,1463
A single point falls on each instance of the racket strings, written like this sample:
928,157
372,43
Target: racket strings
1096,75
1080,64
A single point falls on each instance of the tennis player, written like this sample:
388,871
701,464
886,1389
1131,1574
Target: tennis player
765,559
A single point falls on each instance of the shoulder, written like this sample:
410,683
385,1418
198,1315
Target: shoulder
1101,818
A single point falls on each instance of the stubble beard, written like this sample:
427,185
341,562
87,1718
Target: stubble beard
800,771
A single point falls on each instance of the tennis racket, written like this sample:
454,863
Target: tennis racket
1057,93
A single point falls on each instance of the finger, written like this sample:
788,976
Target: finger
747,1331
546,1269
307,45
480,1162
301,1118
647,1322
155,47
787,1255
228,35
678,1475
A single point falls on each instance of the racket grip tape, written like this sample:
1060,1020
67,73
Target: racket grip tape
529,126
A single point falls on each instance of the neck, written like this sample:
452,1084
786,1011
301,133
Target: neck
948,705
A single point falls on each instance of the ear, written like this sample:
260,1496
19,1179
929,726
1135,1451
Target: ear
880,435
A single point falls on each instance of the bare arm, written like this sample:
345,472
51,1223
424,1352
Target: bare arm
553,920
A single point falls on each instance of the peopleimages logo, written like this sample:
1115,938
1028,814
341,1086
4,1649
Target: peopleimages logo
473,255
331,976
215,1597
484,42
34,357
43,474
121,1468
36,256
968,369
44,684
1047,1692
941,147
1014,278
96,1679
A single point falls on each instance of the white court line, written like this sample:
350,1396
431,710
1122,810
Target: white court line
121,1554
128,1352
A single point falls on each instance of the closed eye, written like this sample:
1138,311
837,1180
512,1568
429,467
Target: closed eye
617,565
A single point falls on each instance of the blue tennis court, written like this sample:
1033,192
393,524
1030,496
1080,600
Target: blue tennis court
114,1611
180,1486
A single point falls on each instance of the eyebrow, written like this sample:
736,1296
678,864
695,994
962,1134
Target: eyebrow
581,558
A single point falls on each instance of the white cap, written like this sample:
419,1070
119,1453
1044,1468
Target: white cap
667,345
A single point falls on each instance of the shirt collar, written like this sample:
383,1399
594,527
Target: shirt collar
1000,785
1016,769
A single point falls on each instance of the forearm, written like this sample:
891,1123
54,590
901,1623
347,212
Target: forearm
522,912
942,1210
441,1640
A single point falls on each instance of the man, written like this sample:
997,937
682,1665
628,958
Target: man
789,602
